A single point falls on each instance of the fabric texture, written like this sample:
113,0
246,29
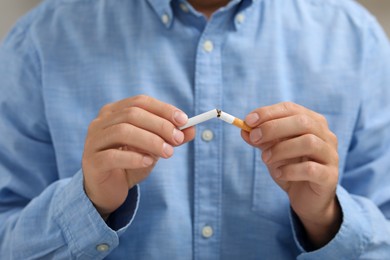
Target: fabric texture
67,58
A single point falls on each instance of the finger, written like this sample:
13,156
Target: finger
281,163
286,127
125,134
245,136
309,146
189,134
154,106
280,110
307,171
263,146
112,159
145,120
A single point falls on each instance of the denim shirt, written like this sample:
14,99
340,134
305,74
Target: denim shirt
214,199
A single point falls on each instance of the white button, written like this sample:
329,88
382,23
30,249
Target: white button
102,247
207,135
165,18
208,46
240,18
184,7
207,231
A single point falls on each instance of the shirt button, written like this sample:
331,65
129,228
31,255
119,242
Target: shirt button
207,231
102,247
240,18
165,18
184,7
207,135
208,46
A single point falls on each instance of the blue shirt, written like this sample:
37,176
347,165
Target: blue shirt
214,199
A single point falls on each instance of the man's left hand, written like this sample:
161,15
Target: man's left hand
301,154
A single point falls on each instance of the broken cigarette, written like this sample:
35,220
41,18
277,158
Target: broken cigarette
234,121
219,114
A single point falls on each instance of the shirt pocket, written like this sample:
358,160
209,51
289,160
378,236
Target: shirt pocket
269,200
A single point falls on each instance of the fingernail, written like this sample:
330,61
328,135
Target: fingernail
147,161
180,118
167,150
255,135
267,155
252,119
178,136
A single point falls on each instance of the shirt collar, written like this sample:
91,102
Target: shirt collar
164,10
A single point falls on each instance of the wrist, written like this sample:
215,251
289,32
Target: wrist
104,213
322,229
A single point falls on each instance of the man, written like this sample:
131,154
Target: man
93,164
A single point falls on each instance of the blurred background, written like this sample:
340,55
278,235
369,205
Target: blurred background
11,10
381,9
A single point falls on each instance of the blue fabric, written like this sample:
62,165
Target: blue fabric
67,58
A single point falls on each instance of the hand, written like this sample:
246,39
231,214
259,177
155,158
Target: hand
301,155
124,143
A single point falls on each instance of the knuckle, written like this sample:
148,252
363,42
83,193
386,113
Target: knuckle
266,114
94,123
334,139
261,110
141,99
314,172
310,168
106,108
305,122
311,142
288,106
132,114
123,130
322,119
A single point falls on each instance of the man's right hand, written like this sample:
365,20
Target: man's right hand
124,143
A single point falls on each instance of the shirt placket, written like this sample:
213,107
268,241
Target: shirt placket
208,146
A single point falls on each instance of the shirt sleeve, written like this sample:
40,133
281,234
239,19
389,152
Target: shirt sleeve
41,215
364,193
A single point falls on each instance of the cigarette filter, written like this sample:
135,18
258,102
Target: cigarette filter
234,121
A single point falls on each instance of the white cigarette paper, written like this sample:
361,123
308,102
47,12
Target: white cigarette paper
226,117
234,121
200,118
